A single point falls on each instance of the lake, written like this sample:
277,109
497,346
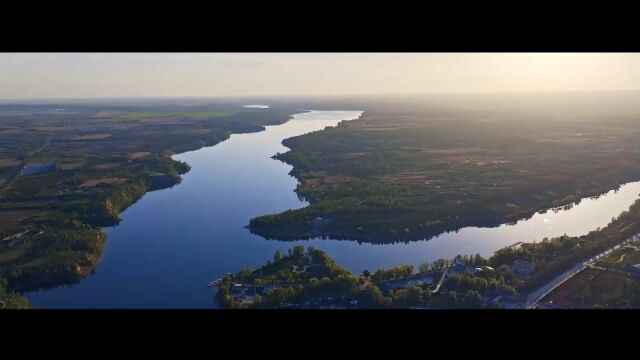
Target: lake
173,242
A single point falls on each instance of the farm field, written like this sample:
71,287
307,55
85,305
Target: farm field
88,163
411,169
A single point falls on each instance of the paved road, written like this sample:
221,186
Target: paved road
444,275
534,297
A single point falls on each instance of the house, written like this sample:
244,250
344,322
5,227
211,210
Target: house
523,267
479,269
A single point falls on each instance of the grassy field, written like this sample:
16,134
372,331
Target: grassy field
410,170
593,288
629,255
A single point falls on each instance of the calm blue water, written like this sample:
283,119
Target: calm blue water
173,242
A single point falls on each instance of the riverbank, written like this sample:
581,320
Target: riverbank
501,281
192,234
404,174
64,239
160,254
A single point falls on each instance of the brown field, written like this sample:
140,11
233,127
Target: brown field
589,288
71,165
190,131
139,155
382,128
102,115
356,154
105,166
7,256
10,131
453,151
55,128
91,137
4,163
94,182
11,218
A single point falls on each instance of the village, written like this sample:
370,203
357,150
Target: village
440,283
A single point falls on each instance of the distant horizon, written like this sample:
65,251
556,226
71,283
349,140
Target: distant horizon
297,96
231,75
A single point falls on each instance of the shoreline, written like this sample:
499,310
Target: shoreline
331,205
425,235
133,192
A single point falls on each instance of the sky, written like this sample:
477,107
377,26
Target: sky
95,75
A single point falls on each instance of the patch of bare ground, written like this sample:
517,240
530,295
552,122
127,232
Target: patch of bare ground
11,218
102,115
9,162
49,129
356,154
108,181
139,155
91,137
10,131
105,166
452,151
190,131
382,128
591,287
71,165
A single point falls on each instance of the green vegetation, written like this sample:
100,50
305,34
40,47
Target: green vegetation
407,171
554,256
311,279
299,277
10,299
596,288
50,233
613,282
470,281
142,115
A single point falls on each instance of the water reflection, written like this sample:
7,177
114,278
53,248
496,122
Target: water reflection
172,242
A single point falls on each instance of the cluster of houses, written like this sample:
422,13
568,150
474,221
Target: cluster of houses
245,293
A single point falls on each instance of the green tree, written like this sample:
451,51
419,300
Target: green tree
277,256
505,272
473,299
298,251
452,297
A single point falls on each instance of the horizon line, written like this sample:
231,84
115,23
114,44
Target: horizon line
453,92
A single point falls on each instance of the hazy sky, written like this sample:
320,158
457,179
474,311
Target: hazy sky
221,74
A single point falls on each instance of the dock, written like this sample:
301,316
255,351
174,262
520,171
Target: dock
217,282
